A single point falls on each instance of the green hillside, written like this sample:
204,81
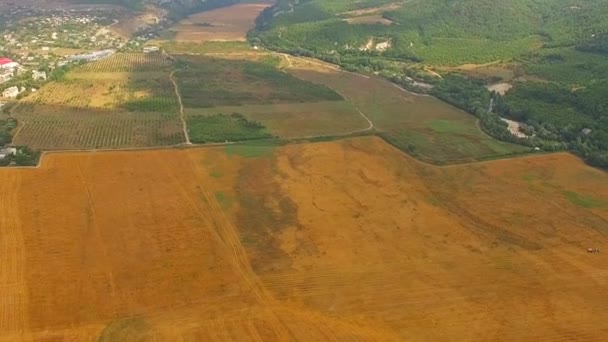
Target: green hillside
423,29
557,50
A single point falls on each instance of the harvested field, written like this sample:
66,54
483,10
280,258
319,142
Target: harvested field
224,24
349,240
421,125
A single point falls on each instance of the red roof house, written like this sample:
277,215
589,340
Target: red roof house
7,63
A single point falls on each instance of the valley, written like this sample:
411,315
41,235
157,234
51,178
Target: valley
212,188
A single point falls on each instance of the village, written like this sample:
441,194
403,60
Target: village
36,41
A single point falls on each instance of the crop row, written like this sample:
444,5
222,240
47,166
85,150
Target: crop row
132,62
99,130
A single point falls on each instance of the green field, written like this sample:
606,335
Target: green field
283,105
207,82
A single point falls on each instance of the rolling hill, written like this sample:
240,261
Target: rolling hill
555,48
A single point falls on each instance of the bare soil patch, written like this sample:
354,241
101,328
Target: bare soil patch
373,10
369,19
514,128
501,88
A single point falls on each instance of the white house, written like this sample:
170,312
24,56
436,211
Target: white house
148,49
11,92
4,152
39,75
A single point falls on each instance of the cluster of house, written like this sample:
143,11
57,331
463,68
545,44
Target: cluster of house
7,151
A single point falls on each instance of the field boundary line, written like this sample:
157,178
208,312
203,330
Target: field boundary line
371,124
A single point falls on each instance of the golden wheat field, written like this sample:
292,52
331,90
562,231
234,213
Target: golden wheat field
333,241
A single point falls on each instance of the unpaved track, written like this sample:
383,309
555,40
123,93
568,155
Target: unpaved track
182,115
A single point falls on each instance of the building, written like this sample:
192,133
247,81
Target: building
94,56
11,92
6,63
148,49
4,152
38,75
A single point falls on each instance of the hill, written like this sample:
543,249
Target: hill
556,50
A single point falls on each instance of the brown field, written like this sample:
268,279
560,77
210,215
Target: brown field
224,24
339,241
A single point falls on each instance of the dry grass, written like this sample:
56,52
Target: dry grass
347,240
369,19
224,24
373,10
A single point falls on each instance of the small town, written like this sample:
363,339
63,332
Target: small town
36,42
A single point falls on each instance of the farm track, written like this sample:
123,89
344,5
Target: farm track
227,235
182,115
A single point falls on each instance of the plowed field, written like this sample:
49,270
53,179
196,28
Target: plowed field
222,24
339,241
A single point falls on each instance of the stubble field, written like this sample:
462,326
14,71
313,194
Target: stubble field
349,241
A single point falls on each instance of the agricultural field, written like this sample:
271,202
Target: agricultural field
58,128
297,120
420,125
348,240
126,100
128,62
207,82
255,88
224,24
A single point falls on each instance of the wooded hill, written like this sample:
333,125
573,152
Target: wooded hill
559,46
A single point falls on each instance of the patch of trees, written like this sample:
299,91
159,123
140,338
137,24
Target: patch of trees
6,128
557,116
598,44
24,156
